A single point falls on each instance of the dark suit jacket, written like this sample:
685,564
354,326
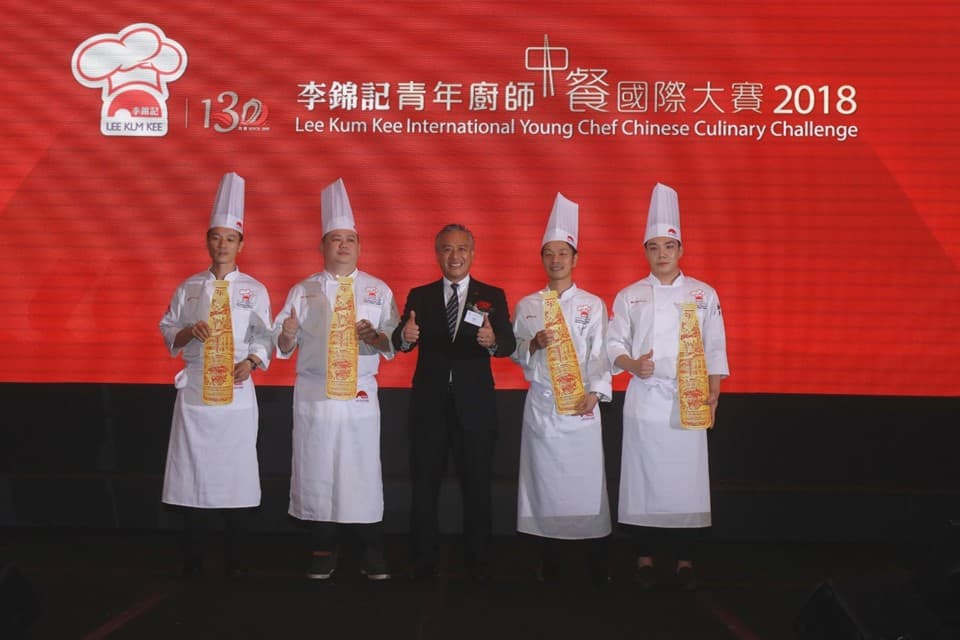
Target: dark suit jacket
467,361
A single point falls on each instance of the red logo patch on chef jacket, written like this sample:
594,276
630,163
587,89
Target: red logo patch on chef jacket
246,298
583,317
362,396
698,296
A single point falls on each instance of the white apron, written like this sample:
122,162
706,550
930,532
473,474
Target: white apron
664,475
212,455
562,491
336,475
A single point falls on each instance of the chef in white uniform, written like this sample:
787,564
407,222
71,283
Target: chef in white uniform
664,480
336,485
212,454
562,493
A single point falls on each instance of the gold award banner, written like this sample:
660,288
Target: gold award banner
561,358
342,346
692,382
218,349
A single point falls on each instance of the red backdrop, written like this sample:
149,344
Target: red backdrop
831,235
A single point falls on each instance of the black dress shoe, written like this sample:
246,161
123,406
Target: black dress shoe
645,577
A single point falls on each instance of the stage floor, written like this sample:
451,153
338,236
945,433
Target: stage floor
123,585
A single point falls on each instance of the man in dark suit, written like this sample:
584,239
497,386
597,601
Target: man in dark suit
458,323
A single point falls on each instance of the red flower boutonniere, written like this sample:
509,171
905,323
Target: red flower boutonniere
483,306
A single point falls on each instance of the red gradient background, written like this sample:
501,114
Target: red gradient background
836,262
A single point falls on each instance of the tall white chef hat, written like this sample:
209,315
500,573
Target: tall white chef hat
335,210
563,223
663,219
228,205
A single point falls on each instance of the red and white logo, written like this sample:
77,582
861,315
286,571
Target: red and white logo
132,68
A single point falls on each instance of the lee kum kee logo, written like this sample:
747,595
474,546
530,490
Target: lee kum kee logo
132,68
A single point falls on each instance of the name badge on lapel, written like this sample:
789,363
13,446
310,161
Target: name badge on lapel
474,317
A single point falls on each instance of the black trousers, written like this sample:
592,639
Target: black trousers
679,543
430,448
328,536
196,531
556,554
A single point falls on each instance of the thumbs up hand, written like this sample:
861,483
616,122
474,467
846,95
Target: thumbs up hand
291,325
411,330
289,329
644,365
485,336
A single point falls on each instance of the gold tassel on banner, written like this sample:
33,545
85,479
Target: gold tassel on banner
692,381
342,345
561,357
218,348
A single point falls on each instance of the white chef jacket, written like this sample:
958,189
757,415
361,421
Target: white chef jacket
664,477
212,454
335,471
562,489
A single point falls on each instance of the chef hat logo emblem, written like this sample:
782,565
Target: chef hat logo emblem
132,68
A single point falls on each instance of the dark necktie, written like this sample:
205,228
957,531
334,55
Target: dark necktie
453,309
